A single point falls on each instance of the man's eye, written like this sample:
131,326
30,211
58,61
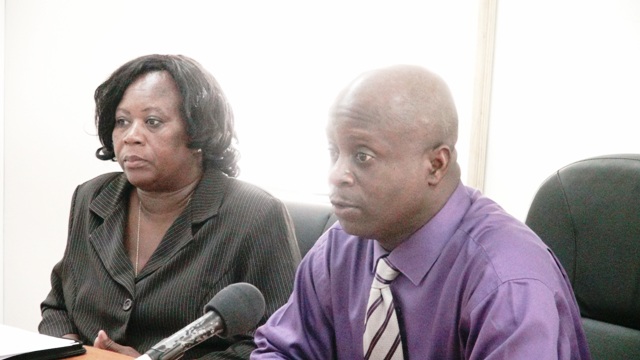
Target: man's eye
333,155
362,157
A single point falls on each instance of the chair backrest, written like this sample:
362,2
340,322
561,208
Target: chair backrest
588,213
310,220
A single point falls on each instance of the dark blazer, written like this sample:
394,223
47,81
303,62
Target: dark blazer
230,232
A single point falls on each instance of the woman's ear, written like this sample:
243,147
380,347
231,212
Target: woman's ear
439,160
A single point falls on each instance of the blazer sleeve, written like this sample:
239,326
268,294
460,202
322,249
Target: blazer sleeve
55,318
271,257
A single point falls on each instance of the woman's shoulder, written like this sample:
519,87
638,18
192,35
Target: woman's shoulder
244,199
100,181
244,188
94,186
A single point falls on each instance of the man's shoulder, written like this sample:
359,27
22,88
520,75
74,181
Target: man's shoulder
488,224
511,248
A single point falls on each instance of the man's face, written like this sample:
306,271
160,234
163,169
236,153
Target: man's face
378,176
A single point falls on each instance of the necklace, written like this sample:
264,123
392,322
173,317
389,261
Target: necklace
138,236
138,233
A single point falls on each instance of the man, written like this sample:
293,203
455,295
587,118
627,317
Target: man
472,282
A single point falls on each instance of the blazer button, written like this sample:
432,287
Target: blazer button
127,305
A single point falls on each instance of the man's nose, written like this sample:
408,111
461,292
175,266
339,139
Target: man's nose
340,174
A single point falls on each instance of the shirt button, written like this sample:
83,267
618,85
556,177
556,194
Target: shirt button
127,305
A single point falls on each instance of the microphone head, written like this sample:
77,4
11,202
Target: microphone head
240,306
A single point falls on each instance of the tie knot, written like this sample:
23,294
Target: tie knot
385,273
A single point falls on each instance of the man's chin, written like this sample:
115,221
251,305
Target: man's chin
354,228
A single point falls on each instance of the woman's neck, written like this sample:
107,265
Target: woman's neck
164,203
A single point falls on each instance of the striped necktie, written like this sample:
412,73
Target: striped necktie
382,334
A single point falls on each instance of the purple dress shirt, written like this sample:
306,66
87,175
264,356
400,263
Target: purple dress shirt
475,283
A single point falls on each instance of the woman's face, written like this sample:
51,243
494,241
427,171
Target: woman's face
150,138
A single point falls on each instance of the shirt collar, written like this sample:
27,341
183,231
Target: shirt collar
417,254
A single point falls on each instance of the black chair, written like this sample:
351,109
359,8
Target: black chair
588,213
310,220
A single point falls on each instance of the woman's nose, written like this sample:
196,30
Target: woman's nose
134,133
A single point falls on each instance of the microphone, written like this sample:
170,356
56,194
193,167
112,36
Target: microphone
234,310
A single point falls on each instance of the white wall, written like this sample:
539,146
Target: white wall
566,87
280,62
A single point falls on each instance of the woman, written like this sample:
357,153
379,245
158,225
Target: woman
150,246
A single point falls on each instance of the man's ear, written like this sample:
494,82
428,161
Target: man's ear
439,160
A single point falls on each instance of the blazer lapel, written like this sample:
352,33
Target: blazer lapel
107,238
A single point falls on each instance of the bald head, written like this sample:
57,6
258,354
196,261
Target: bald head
392,135
409,98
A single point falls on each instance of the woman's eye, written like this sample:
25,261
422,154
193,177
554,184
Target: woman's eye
362,157
120,122
153,122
